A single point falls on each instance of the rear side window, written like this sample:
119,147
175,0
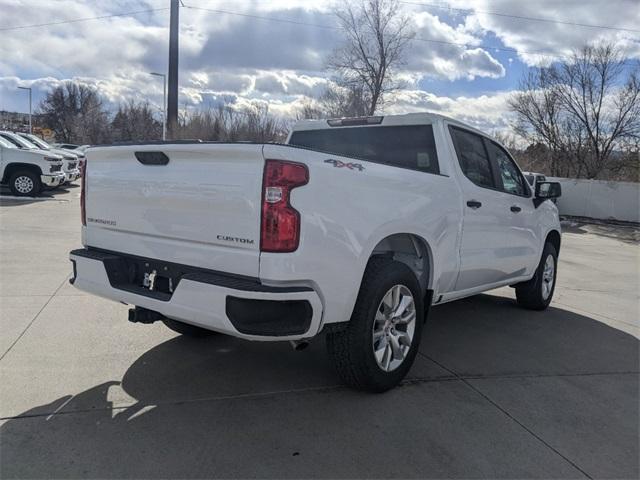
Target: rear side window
410,146
473,157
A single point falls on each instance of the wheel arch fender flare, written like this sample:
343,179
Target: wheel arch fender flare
554,237
407,247
12,167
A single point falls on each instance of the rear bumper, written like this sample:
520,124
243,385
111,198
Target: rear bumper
52,180
237,306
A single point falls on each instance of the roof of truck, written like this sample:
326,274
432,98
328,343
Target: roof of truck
387,120
403,119
420,118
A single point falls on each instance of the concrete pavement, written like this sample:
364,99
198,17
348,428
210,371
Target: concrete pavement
496,392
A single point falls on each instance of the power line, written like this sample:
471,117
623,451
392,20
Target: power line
323,26
421,39
519,17
507,15
259,17
86,19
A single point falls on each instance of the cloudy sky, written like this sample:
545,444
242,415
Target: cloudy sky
465,60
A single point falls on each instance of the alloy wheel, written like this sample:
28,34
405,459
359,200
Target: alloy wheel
548,276
394,327
24,184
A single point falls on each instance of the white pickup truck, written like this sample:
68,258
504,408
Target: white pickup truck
72,160
355,227
26,170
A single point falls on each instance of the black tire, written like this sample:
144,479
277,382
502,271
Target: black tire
531,294
186,329
22,179
351,349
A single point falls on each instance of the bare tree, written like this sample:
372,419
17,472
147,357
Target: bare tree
606,109
583,110
76,113
349,100
134,122
376,36
337,101
228,125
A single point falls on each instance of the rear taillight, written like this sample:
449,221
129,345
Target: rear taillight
83,193
280,227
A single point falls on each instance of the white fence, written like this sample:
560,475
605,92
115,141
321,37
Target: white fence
599,199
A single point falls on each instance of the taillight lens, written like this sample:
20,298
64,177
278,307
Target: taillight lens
83,193
280,227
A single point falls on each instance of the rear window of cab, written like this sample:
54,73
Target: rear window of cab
406,146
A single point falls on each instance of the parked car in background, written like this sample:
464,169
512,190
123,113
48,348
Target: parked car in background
72,159
355,227
533,178
68,146
71,146
27,170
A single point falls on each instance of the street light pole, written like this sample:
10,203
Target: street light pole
28,88
164,103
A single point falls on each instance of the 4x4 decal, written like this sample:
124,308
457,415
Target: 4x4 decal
341,164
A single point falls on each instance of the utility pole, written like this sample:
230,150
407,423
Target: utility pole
172,97
28,88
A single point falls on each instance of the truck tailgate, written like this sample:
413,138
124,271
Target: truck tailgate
201,208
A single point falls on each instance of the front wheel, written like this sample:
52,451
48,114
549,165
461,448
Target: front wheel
536,294
379,344
25,184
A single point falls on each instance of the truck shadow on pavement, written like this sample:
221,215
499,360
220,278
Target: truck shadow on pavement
8,200
496,392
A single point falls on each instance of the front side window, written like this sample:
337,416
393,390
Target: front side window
6,143
37,142
530,178
472,157
407,146
19,142
510,177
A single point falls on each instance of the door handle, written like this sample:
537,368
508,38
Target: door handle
515,208
474,204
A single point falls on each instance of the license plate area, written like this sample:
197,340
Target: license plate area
144,276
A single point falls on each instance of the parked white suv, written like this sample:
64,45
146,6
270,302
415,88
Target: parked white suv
26,170
355,227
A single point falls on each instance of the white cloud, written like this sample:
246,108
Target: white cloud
485,112
440,50
243,60
557,39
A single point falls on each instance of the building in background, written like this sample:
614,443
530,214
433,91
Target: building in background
19,122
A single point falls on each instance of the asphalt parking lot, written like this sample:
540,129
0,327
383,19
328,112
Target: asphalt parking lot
496,392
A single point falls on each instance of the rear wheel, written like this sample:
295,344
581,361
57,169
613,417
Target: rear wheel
536,294
186,329
379,344
25,184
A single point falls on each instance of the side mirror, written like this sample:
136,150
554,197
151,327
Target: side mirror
547,191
